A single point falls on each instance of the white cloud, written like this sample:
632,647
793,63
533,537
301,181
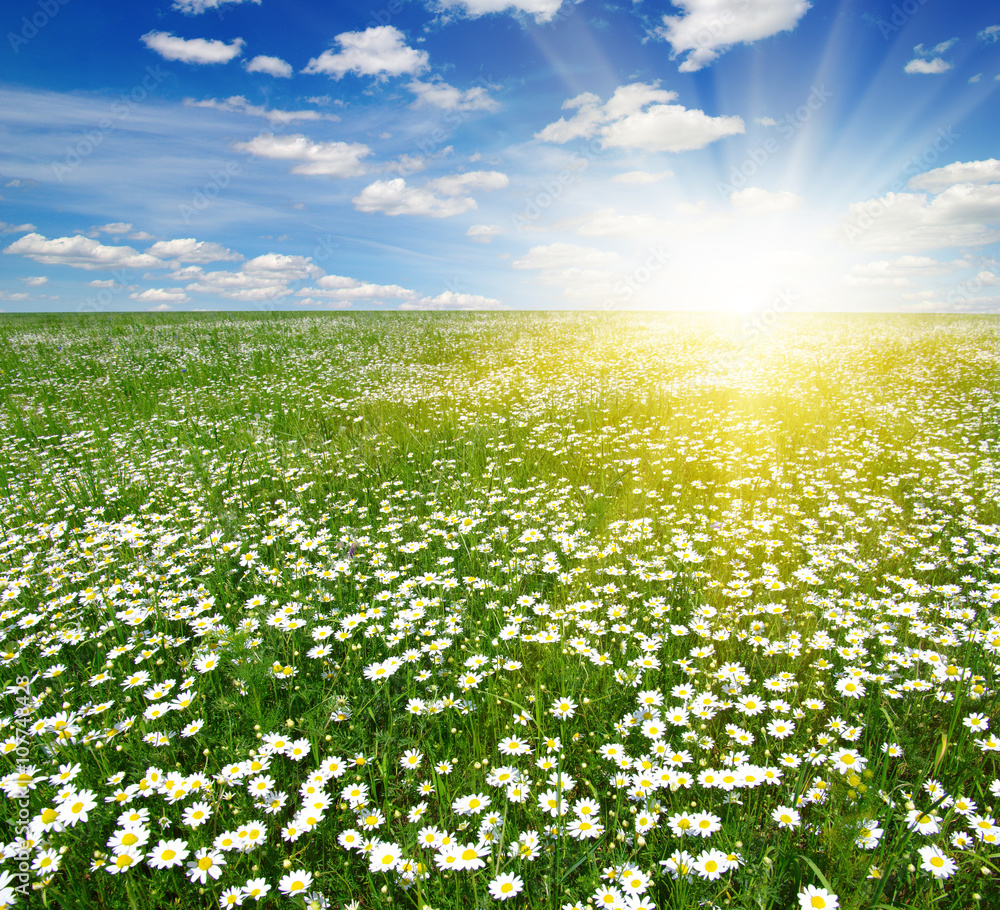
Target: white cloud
115,228
6,228
708,27
640,178
263,278
765,121
437,93
80,252
962,215
195,7
610,223
565,255
450,300
394,197
192,50
338,287
14,295
240,104
273,66
188,249
317,159
379,51
35,281
483,233
161,295
541,10
941,178
931,67
990,34
640,116
756,201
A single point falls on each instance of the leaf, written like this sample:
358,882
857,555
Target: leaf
819,875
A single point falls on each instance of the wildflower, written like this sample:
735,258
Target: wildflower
296,882
711,864
384,858
76,808
167,854
563,708
813,898
124,859
936,862
256,888
506,886
206,864
705,824
786,817
197,814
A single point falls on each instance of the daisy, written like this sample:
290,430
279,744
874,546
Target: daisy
384,858
197,814
296,882
711,864
124,860
256,888
936,862
786,817
206,864
813,898
167,854
506,886
76,808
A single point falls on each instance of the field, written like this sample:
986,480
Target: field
549,610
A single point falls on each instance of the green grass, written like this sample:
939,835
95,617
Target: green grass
661,521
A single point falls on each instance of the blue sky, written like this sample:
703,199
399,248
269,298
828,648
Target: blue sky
734,155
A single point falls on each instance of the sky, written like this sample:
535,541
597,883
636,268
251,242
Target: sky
740,156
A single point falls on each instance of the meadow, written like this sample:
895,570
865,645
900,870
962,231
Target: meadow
445,611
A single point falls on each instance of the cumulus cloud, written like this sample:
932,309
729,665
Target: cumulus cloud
349,290
541,10
962,215
240,104
273,66
450,300
610,223
187,249
263,278
706,28
192,50
35,281
899,272
316,159
483,233
196,7
440,198
640,116
930,67
565,255
378,51
161,295
6,228
114,228
80,252
990,34
756,201
437,93
975,172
